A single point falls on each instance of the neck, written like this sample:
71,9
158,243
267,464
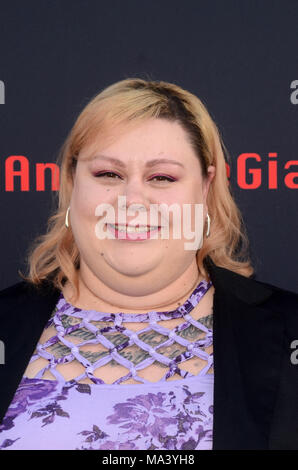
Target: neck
95,295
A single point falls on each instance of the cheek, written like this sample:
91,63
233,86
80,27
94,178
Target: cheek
188,197
81,200
186,194
190,214
87,195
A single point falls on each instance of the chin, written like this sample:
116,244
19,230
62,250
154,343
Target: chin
133,271
130,268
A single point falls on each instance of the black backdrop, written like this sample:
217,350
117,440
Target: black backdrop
239,57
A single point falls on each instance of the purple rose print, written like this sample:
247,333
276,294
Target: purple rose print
24,396
153,421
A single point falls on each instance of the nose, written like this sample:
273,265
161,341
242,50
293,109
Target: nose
135,195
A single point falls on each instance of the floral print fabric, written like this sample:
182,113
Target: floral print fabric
46,414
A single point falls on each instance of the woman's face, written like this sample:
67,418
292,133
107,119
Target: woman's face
137,267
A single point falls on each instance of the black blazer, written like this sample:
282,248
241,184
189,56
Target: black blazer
255,381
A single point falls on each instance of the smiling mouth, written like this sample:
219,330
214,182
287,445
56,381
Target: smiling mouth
134,228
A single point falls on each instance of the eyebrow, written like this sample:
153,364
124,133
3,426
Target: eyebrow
148,164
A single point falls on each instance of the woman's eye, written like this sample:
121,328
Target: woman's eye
104,173
168,178
109,173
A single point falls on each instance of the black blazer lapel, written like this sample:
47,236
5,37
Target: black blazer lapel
247,348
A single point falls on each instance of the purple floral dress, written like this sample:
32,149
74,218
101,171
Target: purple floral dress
169,414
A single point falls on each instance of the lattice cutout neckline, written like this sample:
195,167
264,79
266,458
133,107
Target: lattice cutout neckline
196,348
191,302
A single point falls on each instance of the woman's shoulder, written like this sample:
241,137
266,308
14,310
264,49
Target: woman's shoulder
12,295
250,289
25,288
12,289
15,292
282,296
280,291
24,296
284,302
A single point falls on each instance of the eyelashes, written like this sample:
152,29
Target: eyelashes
105,173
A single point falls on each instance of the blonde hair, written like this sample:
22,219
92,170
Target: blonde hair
54,257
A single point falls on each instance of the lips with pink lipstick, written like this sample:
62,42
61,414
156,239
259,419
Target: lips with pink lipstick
135,232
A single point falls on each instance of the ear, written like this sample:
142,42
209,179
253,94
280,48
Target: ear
207,182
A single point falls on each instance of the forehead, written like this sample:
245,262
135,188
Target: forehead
122,163
151,143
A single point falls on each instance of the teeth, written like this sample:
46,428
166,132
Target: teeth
123,228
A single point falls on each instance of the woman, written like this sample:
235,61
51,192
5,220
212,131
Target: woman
133,341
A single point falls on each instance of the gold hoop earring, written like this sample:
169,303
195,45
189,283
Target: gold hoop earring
66,218
208,225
